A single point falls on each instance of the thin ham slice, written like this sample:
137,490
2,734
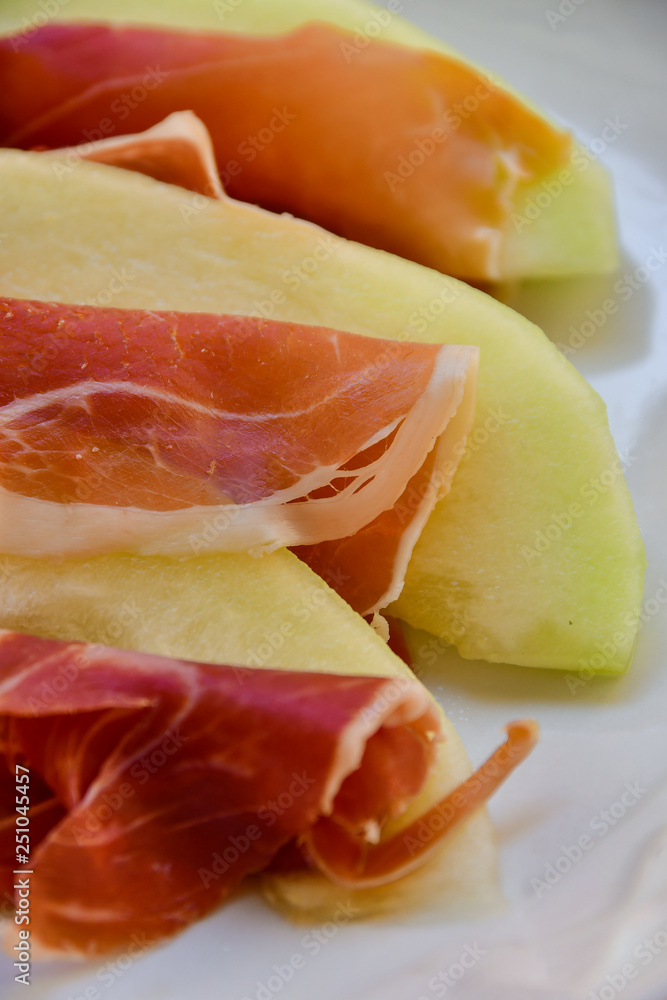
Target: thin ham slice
177,150
172,781
347,859
407,150
174,434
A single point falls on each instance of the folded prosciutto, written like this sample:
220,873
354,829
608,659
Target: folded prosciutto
156,785
407,150
177,150
174,434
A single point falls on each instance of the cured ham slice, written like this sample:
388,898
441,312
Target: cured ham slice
176,151
407,150
172,433
176,780
360,864
383,547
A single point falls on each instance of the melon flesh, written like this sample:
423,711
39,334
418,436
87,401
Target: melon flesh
270,611
507,568
575,233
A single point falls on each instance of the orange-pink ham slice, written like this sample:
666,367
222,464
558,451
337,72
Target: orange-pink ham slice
178,151
172,433
403,149
172,781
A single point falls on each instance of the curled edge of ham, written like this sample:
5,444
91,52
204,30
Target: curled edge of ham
193,696
178,150
357,864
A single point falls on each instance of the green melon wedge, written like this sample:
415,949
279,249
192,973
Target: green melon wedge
254,612
534,557
561,225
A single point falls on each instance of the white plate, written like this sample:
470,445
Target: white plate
586,61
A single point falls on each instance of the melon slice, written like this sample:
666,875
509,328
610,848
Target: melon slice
570,233
270,611
534,557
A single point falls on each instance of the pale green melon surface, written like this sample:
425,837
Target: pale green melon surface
540,443
269,611
575,233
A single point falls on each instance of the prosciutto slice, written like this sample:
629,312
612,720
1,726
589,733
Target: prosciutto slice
174,434
169,782
177,150
407,150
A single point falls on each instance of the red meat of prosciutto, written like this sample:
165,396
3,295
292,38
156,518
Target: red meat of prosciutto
152,782
174,434
299,126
